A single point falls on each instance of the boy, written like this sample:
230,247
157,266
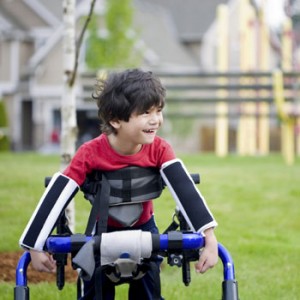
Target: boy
130,105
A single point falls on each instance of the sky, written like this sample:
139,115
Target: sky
274,11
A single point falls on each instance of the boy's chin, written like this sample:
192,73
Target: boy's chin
149,141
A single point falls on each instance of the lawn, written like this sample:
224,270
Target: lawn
254,199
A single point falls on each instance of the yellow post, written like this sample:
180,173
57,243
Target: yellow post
264,65
221,136
287,125
251,106
246,135
287,136
298,132
241,134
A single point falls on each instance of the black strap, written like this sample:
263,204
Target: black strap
132,172
94,212
103,199
99,214
98,283
175,240
98,273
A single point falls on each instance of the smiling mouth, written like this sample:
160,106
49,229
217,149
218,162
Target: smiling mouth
149,131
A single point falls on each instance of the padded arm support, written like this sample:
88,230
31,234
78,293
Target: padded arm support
188,198
59,192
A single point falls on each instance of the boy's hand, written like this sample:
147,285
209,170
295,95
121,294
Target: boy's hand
42,262
209,254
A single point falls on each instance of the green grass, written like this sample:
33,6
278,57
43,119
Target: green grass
255,201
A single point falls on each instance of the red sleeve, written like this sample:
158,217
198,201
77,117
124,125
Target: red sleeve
79,166
166,152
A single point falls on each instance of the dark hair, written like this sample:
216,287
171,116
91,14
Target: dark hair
124,93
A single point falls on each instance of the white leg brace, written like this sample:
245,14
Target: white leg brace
188,198
59,192
137,243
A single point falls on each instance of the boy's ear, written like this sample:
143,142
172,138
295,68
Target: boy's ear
115,124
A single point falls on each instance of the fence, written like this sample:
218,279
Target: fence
253,99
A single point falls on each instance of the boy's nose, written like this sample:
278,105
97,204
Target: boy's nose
155,118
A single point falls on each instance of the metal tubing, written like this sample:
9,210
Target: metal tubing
229,285
230,290
189,241
21,271
228,265
61,244
21,291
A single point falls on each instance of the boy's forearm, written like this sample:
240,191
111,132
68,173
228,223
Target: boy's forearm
56,197
210,237
209,232
188,198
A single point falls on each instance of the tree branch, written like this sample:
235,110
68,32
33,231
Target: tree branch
79,42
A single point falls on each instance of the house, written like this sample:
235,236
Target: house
177,36
31,63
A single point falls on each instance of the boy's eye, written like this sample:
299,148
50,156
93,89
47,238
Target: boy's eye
158,109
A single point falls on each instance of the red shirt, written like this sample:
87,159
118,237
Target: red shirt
97,154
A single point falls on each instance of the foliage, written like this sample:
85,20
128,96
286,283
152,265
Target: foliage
254,199
113,45
4,140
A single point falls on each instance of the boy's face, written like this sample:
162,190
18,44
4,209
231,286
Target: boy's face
139,130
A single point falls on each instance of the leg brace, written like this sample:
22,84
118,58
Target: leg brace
189,200
59,192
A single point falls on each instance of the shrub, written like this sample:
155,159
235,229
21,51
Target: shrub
4,139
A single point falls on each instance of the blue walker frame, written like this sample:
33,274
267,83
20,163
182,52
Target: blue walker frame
62,244
190,241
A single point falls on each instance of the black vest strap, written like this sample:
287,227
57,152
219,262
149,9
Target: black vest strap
99,212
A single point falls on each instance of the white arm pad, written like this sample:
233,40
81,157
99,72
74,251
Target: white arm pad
188,198
59,192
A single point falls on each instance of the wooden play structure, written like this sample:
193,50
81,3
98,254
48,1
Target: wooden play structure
253,93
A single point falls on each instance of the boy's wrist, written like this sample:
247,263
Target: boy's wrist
209,232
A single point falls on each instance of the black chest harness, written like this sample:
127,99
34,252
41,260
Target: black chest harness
119,195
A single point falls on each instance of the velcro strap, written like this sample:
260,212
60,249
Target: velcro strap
175,240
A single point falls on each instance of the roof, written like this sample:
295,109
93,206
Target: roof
26,19
157,31
162,24
192,18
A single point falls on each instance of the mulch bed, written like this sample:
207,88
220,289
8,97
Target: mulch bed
9,261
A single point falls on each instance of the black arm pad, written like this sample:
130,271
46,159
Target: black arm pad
188,198
58,194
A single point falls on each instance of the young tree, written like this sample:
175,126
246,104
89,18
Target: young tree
111,40
116,50
68,101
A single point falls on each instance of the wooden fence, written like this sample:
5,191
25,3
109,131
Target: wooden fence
251,98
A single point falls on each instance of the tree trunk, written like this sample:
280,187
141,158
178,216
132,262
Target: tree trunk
68,101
